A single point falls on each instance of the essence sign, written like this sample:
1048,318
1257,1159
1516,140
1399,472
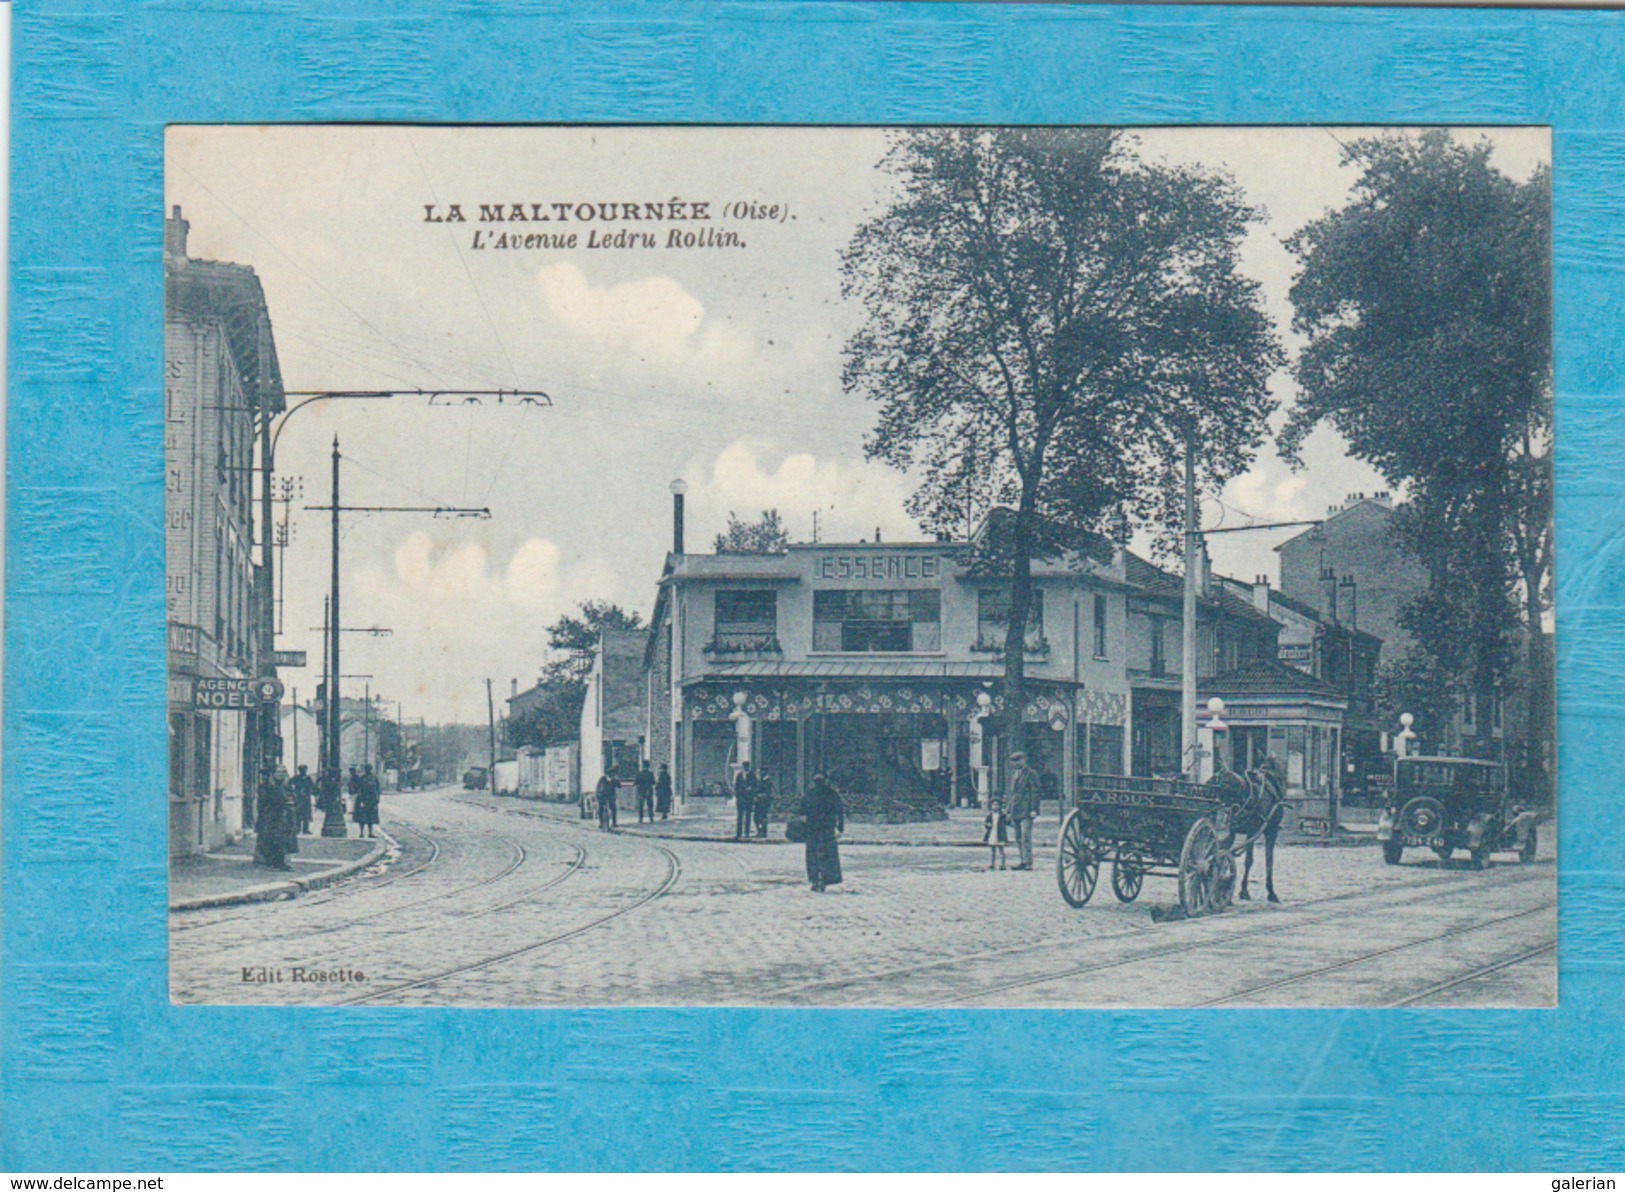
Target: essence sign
877,566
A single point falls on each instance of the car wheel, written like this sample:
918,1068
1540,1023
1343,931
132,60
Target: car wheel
1392,851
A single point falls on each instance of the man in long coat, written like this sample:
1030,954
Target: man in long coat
644,782
304,795
744,800
1025,793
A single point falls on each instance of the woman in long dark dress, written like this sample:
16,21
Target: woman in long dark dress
825,815
273,819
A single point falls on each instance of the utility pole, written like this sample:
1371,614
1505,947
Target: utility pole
491,718
327,776
334,761
1187,670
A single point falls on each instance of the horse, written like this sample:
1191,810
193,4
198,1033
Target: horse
1260,813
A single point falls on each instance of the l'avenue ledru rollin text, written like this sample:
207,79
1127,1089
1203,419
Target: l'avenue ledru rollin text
673,222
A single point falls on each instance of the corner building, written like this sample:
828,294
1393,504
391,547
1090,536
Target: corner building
220,377
871,661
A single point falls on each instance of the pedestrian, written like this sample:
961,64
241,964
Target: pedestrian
825,816
354,788
304,793
366,803
608,814
273,818
763,802
1024,795
663,791
744,797
645,784
995,833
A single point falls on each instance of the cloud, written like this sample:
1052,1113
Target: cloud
457,616
653,317
852,498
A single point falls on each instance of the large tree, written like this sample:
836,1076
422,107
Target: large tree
1426,301
1051,319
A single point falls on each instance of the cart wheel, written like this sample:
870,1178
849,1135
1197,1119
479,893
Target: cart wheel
1076,866
1128,876
1198,864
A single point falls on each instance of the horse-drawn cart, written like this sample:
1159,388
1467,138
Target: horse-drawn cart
1163,827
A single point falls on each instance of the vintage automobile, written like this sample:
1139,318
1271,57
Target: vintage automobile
476,778
1450,803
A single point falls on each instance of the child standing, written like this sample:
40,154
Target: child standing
995,833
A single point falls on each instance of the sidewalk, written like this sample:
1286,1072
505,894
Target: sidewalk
228,876
713,819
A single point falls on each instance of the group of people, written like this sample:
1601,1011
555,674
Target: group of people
287,806
753,800
1026,790
653,791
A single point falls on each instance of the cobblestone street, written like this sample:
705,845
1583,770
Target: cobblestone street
497,903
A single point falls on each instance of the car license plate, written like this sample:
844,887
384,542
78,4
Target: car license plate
1424,842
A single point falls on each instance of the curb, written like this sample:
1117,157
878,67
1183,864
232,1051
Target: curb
291,886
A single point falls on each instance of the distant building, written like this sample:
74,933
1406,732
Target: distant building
613,712
220,377
1355,542
1342,660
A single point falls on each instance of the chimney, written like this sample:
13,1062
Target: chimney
1347,602
877,535
1261,594
513,688
175,229
678,488
1328,595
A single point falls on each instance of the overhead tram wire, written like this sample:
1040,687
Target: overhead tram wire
305,272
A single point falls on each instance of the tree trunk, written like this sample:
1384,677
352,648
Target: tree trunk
1015,632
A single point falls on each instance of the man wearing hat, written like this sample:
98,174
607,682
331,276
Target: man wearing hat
1025,793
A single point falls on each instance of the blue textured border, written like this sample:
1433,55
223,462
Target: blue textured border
101,1073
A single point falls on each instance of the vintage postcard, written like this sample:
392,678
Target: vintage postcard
897,567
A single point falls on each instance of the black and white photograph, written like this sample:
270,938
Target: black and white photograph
925,566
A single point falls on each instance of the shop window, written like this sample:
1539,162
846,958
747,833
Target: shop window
1103,748
1100,627
993,619
856,621
747,620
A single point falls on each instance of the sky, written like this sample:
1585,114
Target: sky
719,366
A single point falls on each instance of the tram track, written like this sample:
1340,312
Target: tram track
960,960
674,869
520,855
1475,975
346,887
1367,957
1200,946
